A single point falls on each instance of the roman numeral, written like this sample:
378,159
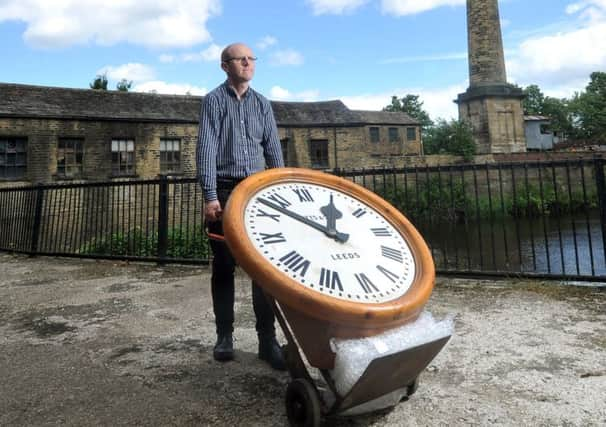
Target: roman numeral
359,212
366,283
381,232
392,253
295,262
261,212
329,279
304,195
272,238
279,200
391,276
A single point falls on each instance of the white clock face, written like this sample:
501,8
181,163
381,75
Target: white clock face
329,242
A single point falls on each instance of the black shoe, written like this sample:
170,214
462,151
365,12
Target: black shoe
271,352
224,348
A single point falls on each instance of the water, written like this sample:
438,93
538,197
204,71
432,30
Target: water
568,245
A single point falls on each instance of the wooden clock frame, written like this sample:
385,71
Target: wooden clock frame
314,316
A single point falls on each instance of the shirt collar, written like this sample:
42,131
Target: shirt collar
231,91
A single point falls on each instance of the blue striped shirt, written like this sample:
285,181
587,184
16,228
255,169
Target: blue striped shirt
236,138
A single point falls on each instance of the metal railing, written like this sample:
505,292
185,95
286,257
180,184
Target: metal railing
154,220
539,219
533,219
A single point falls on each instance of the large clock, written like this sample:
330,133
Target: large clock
339,259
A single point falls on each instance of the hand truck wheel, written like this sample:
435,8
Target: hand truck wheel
411,389
302,404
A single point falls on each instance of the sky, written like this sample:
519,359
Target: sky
359,51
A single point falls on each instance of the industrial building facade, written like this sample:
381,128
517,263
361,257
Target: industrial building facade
53,135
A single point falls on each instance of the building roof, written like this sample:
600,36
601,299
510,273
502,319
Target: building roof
312,113
86,104
27,101
385,118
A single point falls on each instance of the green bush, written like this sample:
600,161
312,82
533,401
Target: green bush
182,243
439,201
433,199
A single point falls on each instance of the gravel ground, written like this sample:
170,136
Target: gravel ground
109,343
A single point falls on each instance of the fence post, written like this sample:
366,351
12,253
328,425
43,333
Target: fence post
163,217
601,188
37,220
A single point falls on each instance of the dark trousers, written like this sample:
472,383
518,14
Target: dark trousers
222,283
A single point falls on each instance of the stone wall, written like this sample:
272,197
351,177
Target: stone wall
498,123
43,136
353,146
354,149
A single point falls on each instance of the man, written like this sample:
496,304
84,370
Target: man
238,137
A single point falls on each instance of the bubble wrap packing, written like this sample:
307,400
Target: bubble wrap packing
354,355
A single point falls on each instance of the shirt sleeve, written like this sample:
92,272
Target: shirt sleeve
272,148
206,148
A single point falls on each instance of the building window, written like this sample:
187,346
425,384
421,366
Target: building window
170,155
411,134
318,153
70,154
374,134
13,157
394,135
123,157
545,129
284,145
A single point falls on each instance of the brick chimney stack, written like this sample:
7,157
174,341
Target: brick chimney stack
484,43
492,106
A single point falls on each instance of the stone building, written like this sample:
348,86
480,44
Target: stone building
52,135
490,104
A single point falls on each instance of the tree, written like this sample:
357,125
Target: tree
558,111
410,105
534,101
454,137
589,108
124,85
100,82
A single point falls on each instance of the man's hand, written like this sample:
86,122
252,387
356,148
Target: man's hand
212,211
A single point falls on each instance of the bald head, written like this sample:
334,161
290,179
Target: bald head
238,62
229,50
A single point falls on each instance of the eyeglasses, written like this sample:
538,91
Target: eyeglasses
241,59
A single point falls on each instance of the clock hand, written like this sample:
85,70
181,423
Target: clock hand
339,237
331,213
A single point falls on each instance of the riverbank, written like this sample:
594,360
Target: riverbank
87,342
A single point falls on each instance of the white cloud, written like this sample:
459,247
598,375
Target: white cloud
561,63
153,23
390,7
280,94
438,102
157,86
335,7
131,71
211,54
286,57
410,7
562,55
166,58
266,42
592,10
